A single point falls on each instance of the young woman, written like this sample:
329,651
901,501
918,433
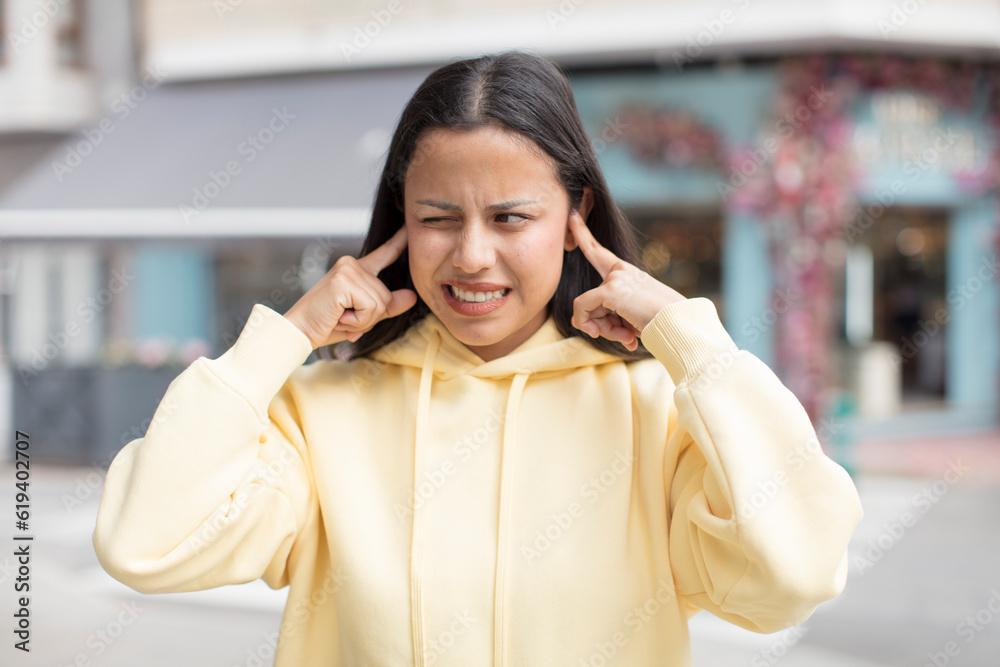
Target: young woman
527,450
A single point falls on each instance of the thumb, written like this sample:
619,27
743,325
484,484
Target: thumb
402,300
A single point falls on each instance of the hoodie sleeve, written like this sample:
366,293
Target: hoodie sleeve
217,490
759,517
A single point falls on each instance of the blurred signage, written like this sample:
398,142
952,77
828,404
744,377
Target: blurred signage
908,130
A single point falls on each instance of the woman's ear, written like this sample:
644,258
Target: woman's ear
586,204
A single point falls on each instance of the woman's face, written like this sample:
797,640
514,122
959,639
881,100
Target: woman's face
486,213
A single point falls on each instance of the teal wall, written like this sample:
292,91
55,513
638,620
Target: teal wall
747,284
174,292
972,301
731,101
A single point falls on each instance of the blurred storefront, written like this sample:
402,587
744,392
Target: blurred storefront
841,213
143,242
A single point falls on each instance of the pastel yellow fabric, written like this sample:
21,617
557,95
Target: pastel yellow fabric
555,506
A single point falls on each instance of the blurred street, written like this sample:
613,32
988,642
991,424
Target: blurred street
912,588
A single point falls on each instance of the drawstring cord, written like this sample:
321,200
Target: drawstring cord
501,598
508,450
417,546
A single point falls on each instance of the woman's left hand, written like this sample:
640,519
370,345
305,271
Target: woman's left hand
627,299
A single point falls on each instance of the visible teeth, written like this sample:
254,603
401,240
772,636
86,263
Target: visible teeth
477,297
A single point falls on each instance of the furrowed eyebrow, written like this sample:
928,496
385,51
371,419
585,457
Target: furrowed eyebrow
448,206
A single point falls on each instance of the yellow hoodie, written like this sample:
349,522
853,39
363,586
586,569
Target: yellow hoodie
556,506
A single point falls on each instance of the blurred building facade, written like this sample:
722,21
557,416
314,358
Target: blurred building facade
824,172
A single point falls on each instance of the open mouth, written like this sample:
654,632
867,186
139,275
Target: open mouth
467,296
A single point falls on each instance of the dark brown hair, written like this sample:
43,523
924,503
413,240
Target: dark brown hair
530,96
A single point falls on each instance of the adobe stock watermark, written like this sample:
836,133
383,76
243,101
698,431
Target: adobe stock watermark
915,169
566,8
217,524
314,257
88,309
712,369
102,639
922,503
464,449
610,132
121,108
295,616
562,521
438,646
985,271
635,619
968,629
779,648
368,370
363,35
899,16
35,23
755,158
85,487
426,144
224,7
90,484
958,296
795,459
758,324
711,30
263,653
655,256
8,568
249,149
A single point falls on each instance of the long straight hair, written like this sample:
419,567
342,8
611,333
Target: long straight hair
527,95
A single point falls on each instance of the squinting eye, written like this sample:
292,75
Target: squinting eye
524,217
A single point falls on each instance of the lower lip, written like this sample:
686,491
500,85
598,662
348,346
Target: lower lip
473,308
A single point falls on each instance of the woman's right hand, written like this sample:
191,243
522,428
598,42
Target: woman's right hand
349,300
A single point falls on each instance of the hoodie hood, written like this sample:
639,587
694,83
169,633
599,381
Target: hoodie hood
431,347
546,351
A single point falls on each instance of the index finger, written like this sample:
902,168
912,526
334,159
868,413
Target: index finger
602,258
385,254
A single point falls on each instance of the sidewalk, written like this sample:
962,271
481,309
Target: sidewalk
930,456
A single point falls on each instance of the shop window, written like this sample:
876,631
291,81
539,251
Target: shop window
683,249
273,272
898,302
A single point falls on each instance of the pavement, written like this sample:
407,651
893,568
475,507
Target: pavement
924,574
929,456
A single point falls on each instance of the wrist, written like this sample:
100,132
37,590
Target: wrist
292,317
655,309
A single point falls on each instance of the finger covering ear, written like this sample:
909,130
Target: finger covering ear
570,241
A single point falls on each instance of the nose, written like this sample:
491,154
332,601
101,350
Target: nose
475,249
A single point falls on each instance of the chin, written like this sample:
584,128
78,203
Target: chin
476,333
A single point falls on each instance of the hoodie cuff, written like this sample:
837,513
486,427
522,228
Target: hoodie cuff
262,358
685,335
